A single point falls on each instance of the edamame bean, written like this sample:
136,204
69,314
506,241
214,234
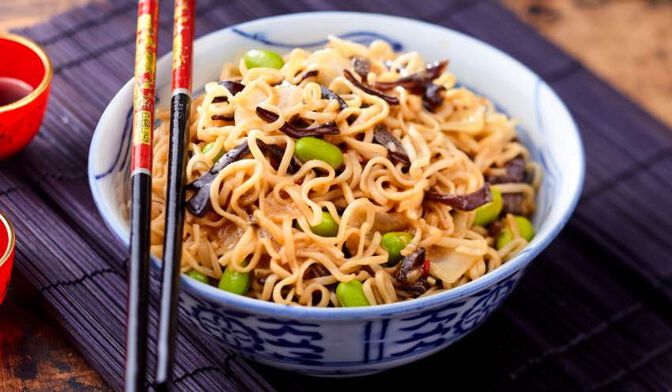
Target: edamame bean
488,212
525,229
209,147
394,242
351,294
234,281
262,58
193,274
309,148
327,226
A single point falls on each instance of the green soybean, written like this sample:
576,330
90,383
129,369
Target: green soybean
488,212
351,294
394,242
234,281
262,58
193,274
327,226
209,147
525,229
310,148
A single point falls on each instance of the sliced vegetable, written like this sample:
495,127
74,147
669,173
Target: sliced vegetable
382,136
451,266
262,58
488,212
370,90
329,128
525,229
466,202
351,294
193,274
327,226
309,148
234,281
394,242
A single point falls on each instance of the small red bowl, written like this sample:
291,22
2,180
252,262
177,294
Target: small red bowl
7,243
20,120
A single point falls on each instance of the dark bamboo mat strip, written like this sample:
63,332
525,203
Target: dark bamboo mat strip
592,313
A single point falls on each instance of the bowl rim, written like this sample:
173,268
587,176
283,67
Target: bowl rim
255,306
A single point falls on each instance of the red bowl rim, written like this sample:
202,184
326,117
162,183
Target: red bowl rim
11,238
48,72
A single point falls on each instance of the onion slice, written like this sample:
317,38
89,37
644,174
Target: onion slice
451,266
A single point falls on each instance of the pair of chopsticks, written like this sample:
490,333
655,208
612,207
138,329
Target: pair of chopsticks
141,190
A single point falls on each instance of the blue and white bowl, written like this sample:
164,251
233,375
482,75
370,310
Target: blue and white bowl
357,341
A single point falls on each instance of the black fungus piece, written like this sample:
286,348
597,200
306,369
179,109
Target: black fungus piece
410,268
417,82
329,128
418,288
515,172
329,94
410,275
233,87
432,98
361,66
220,117
275,154
513,203
420,83
316,271
495,228
396,152
308,74
346,251
467,202
199,203
369,90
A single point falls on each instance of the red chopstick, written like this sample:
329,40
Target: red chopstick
141,192
183,36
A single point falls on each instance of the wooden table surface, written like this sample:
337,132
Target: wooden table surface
627,42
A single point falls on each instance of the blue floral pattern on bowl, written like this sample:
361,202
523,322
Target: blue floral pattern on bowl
370,347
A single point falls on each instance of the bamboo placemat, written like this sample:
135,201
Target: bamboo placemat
593,312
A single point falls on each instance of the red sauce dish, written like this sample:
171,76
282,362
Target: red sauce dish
25,79
7,243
